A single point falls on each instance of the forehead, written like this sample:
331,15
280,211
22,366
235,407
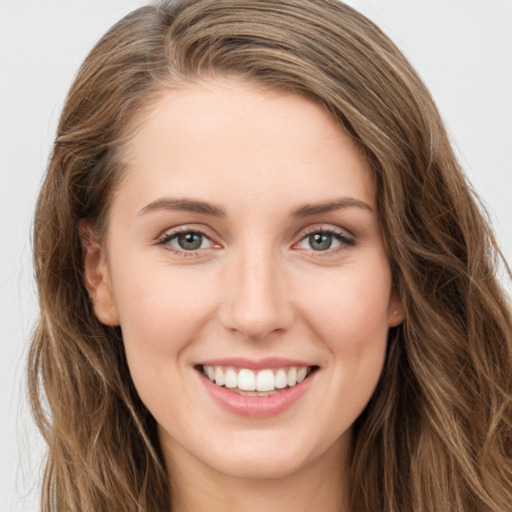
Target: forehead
229,140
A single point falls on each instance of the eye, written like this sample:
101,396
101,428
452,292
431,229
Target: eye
186,240
322,240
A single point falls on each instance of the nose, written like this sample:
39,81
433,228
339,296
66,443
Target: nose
257,300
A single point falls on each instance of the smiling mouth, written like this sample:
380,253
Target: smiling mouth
266,382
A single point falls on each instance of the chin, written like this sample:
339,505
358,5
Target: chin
274,455
271,465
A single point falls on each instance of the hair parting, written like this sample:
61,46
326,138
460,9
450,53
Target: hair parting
437,434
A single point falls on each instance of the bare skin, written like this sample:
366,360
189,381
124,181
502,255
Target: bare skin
320,486
289,263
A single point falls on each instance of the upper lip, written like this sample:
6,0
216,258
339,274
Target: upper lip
254,364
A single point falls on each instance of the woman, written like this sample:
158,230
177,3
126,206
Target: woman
264,281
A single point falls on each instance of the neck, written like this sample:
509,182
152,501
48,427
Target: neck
319,485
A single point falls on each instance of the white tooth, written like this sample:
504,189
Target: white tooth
291,378
230,380
246,380
219,376
210,371
265,380
301,374
280,379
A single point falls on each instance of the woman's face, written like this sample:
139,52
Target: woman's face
244,251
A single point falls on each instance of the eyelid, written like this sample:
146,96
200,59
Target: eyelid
343,236
327,228
165,237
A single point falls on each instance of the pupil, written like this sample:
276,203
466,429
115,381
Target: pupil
320,241
190,241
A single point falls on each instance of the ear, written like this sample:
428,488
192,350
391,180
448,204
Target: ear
396,313
97,276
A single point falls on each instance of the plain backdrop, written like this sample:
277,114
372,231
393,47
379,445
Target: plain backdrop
461,48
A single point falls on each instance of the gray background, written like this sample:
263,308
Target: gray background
462,49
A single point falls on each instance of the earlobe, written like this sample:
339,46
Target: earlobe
97,277
396,313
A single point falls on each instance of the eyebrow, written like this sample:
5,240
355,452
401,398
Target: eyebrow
205,208
186,205
309,210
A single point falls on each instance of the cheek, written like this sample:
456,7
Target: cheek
160,312
350,316
350,310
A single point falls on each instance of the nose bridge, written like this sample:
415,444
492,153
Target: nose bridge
257,301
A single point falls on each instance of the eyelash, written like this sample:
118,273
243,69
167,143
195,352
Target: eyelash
344,240
167,237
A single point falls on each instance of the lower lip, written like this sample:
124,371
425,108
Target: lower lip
256,406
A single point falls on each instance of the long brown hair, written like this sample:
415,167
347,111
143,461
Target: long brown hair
437,434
